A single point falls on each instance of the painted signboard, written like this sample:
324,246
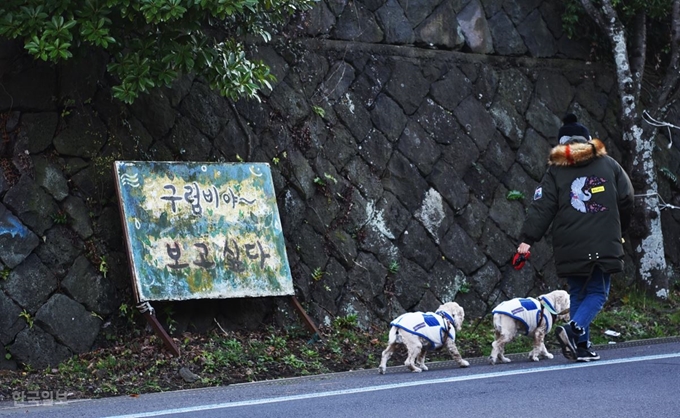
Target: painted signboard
202,230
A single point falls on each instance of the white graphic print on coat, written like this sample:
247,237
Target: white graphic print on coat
429,325
527,311
583,189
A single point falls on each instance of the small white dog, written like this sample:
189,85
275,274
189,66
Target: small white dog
424,331
533,316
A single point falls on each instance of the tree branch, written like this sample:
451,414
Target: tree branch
628,86
638,51
669,87
594,13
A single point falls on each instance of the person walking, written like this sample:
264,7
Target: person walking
588,198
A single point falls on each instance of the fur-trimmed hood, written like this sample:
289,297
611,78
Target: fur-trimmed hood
576,153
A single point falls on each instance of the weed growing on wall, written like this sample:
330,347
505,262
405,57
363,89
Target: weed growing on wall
393,267
317,274
60,218
27,317
514,195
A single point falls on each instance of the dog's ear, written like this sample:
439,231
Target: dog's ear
562,301
565,299
460,317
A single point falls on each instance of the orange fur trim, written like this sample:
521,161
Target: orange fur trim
576,153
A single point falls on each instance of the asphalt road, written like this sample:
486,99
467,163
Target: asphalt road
635,379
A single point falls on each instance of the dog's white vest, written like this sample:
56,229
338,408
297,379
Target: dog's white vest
527,311
429,325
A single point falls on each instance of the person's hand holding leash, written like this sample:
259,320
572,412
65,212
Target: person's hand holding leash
521,256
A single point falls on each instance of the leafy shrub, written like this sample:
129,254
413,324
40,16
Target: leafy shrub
152,42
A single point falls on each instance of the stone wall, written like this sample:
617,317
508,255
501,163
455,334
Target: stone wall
395,132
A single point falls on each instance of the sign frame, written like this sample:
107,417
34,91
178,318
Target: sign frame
223,214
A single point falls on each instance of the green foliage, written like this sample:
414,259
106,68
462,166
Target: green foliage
575,21
655,9
345,322
126,311
319,111
317,274
73,367
277,159
152,42
107,363
277,342
226,351
330,177
294,362
60,217
573,13
4,273
666,172
170,322
636,315
393,267
103,266
66,108
27,316
514,195
322,183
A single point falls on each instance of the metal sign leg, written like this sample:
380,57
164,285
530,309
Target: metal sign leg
305,318
149,313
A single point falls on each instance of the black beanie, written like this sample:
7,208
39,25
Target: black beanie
572,128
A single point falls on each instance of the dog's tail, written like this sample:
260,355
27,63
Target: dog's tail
398,338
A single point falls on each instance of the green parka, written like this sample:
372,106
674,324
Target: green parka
588,198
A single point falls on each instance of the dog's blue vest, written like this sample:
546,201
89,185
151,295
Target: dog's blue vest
526,311
428,325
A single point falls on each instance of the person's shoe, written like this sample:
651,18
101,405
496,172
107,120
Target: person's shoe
567,339
585,354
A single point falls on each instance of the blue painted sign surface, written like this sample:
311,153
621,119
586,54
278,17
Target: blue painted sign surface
202,230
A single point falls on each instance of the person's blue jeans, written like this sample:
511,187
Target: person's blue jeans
587,298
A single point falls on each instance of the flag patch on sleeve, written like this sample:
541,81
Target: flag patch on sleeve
538,193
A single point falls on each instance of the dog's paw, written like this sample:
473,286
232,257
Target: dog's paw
416,369
381,370
492,361
424,367
464,363
506,360
533,358
548,355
